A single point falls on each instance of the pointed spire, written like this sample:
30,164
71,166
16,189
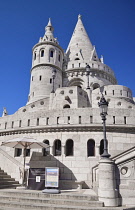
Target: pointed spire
49,33
80,44
49,22
49,28
79,16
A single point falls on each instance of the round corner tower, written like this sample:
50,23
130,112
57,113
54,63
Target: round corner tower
47,56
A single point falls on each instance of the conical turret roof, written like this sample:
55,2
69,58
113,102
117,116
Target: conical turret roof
48,36
80,46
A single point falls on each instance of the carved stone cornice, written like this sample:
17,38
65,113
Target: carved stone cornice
93,72
69,128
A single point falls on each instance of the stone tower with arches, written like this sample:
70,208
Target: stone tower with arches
68,118
47,55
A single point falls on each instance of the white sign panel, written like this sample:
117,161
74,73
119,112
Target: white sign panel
37,178
51,177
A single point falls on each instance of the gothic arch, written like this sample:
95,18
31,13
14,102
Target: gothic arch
76,82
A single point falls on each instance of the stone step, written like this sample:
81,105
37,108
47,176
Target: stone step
8,182
6,176
2,172
39,194
20,205
6,179
10,186
66,202
49,208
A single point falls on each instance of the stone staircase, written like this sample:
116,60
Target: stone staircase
15,199
6,181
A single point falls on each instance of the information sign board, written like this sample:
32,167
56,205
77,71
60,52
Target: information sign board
51,177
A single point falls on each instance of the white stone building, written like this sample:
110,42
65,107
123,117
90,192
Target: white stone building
69,119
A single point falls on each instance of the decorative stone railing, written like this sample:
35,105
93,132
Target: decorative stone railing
13,167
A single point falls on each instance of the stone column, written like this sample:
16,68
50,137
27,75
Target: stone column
63,150
51,150
89,92
107,183
97,149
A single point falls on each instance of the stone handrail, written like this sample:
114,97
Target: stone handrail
11,166
13,160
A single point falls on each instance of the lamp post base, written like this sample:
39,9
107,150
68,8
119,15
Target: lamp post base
105,154
107,191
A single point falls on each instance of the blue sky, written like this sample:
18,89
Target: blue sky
110,25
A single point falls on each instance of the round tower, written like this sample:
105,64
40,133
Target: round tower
47,56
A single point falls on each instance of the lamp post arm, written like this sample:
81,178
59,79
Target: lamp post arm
88,82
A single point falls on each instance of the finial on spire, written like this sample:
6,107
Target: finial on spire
49,27
48,36
102,59
5,113
79,17
49,22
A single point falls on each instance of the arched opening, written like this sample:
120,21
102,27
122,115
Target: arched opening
46,151
59,58
51,53
101,149
95,86
77,59
90,148
76,82
57,148
67,106
42,53
34,56
69,150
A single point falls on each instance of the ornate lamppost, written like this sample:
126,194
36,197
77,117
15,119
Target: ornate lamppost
103,105
88,73
53,78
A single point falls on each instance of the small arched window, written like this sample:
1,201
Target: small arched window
66,106
34,56
42,53
91,148
46,151
69,148
102,146
51,53
57,148
59,58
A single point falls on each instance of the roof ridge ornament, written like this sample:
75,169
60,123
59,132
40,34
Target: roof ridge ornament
49,22
79,16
